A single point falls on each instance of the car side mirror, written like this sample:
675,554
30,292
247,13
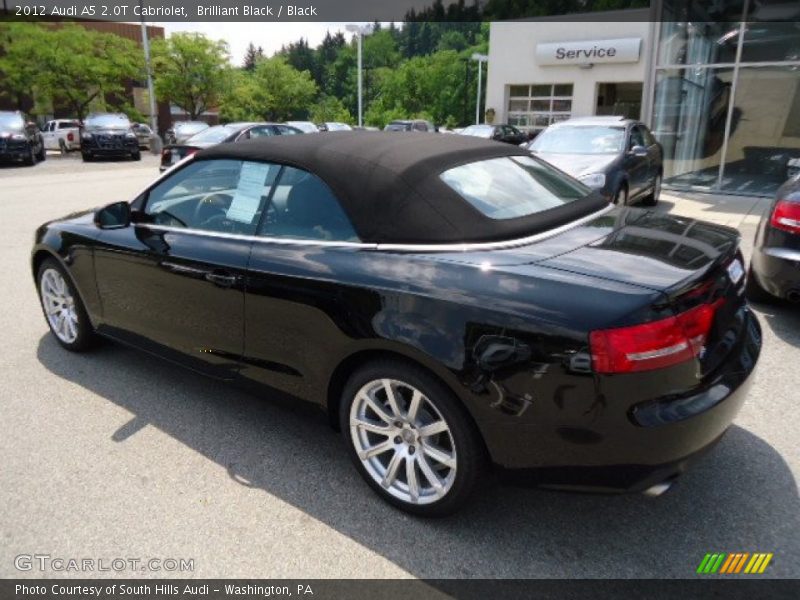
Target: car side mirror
113,216
639,151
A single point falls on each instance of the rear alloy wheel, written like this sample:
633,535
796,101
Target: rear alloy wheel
621,196
652,198
410,439
63,308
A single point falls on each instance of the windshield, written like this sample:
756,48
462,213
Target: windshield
580,139
304,126
212,135
189,128
107,122
513,186
478,130
11,121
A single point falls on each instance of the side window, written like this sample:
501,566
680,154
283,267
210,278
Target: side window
303,207
636,138
263,131
648,137
284,130
225,196
420,126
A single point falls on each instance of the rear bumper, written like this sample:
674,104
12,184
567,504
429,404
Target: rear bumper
777,270
654,441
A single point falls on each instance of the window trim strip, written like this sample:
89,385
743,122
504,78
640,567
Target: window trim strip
463,247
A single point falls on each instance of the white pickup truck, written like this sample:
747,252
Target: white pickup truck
62,134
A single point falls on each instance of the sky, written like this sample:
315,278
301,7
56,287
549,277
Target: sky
270,36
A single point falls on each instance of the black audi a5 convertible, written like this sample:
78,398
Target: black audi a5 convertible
454,304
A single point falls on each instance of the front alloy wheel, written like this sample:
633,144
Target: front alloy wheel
62,308
410,439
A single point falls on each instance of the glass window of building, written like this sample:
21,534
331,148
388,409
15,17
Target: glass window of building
535,106
726,98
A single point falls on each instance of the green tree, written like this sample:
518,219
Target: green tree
20,59
191,71
252,56
329,108
282,92
70,65
238,103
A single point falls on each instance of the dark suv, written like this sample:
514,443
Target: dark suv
109,135
616,156
20,139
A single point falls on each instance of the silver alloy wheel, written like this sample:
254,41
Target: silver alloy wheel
403,441
59,306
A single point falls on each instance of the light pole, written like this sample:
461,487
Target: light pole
480,58
359,30
150,93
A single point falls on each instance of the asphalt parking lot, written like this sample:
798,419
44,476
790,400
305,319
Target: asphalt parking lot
116,454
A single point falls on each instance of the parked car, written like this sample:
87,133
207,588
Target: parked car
143,134
304,126
410,125
183,130
617,157
20,139
62,134
775,265
108,135
499,133
333,126
492,310
221,134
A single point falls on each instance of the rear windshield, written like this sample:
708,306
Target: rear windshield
513,186
478,130
212,135
583,139
187,128
107,122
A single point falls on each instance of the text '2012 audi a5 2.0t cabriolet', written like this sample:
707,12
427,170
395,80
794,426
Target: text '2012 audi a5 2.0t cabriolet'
454,304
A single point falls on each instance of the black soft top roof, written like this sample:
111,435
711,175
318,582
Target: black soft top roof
389,185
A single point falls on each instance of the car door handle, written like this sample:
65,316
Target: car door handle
222,279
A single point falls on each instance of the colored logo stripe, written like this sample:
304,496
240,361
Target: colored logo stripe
723,563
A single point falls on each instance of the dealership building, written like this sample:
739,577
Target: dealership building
717,83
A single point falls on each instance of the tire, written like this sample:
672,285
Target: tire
458,444
753,289
621,195
42,156
136,155
70,326
652,198
86,157
30,160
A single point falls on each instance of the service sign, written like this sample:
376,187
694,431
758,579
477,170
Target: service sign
622,50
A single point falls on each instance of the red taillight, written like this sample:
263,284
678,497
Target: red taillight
653,345
70,136
786,216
